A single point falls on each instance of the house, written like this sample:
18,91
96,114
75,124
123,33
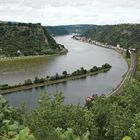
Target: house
118,46
19,52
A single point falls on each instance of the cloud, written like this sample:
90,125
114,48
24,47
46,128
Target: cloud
54,12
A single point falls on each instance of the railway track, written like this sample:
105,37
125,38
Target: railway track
128,76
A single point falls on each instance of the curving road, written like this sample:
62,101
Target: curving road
128,76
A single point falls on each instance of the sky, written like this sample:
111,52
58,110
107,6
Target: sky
65,12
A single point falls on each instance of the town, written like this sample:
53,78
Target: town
117,48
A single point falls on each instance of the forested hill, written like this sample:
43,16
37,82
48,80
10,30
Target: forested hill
69,29
26,39
57,30
127,35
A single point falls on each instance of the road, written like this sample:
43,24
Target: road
128,76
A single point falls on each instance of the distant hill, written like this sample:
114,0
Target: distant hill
26,39
127,35
57,30
68,29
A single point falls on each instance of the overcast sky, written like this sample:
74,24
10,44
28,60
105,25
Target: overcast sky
61,12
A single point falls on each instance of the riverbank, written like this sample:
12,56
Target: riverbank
47,83
131,62
62,52
128,76
107,46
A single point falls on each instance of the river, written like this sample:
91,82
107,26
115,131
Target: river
80,55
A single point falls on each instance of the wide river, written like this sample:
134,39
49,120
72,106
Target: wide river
80,55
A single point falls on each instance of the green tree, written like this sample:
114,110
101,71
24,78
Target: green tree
36,80
52,114
65,73
127,54
135,128
10,127
28,82
56,76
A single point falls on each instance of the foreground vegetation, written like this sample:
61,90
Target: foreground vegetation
10,126
137,76
49,80
103,119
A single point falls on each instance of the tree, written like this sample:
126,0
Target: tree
127,54
51,114
47,77
56,76
94,69
65,73
69,135
135,128
28,82
41,80
10,127
106,66
83,71
36,80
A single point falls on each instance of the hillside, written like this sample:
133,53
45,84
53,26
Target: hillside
26,39
127,35
56,30
69,29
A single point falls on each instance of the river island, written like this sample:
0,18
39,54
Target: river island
50,80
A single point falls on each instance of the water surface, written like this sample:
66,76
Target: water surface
80,55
